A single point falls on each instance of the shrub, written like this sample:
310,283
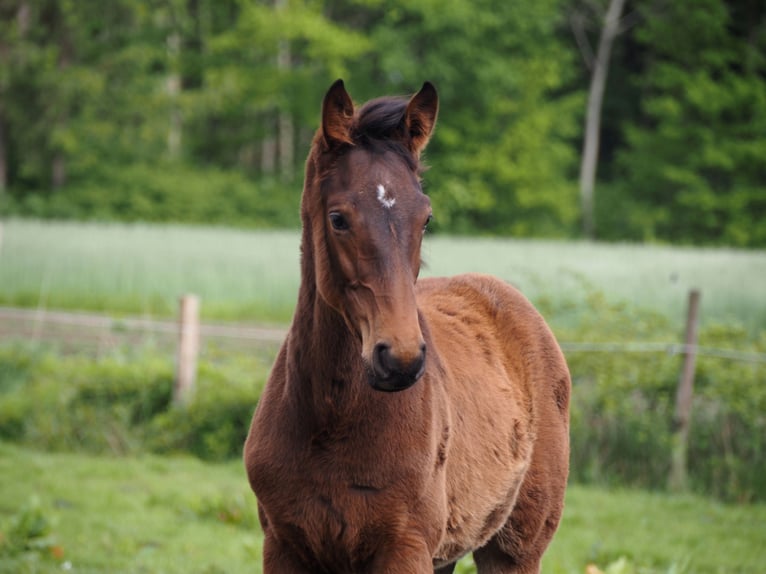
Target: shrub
621,415
27,539
623,405
122,403
213,426
165,192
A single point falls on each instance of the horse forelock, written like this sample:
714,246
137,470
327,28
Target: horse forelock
377,127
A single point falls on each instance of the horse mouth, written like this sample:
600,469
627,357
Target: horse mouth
393,382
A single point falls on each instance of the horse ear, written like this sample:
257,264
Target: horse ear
420,117
337,115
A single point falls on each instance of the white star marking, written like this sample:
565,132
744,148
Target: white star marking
387,202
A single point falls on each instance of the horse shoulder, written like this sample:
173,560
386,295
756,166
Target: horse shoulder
495,308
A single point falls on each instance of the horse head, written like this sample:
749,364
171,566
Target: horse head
365,213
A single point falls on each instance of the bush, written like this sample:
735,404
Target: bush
123,403
623,405
165,192
213,426
727,443
621,415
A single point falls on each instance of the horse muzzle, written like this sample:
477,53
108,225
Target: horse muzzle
390,373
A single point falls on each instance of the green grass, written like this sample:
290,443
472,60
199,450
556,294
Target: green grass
145,268
254,275
153,514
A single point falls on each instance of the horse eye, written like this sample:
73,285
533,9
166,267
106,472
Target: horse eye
338,222
430,218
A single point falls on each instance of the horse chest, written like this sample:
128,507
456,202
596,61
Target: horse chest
337,522
333,493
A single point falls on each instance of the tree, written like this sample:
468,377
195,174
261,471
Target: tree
599,68
693,169
502,156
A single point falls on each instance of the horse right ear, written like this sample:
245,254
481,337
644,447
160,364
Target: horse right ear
337,115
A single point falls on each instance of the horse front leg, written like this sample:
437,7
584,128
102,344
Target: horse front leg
279,560
404,557
492,559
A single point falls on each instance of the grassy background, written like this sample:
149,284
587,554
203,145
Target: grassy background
144,513
254,275
161,514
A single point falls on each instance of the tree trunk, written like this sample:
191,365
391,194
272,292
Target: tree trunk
3,153
285,128
58,164
593,116
58,170
268,150
173,89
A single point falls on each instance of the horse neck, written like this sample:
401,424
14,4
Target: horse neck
323,355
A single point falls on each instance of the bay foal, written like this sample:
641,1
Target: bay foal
405,422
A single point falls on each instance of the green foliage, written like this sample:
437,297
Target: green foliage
233,508
623,406
27,539
727,444
204,111
501,156
621,416
213,426
692,169
166,192
122,403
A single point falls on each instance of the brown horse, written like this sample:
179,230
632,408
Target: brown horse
467,449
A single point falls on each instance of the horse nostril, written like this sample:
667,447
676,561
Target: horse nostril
420,361
417,367
381,360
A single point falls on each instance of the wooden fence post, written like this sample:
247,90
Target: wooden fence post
188,349
684,394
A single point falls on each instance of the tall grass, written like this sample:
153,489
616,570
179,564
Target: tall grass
254,275
145,268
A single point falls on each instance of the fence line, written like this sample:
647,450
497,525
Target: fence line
669,348
273,334
39,317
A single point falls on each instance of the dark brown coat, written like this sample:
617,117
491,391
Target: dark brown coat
406,422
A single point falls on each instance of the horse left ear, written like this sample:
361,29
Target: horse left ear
420,118
337,115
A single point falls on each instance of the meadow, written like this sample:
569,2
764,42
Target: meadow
95,466
172,515
254,275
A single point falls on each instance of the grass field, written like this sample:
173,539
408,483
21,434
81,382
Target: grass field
153,514
173,515
254,275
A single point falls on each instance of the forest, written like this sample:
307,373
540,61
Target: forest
617,120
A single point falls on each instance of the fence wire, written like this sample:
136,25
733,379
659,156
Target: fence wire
669,348
38,323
